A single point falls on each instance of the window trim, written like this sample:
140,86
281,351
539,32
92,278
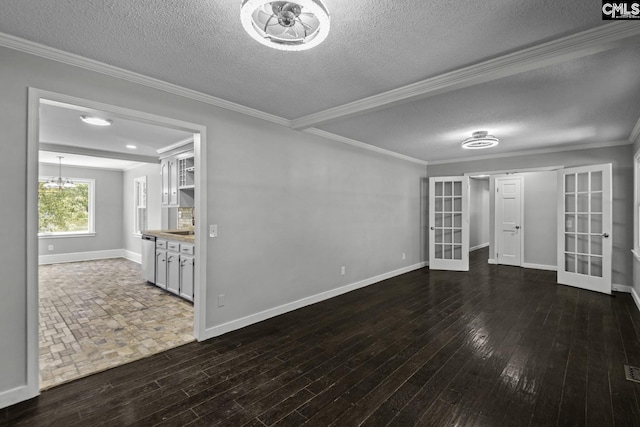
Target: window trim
142,179
92,213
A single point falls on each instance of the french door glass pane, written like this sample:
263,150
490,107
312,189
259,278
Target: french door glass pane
583,264
596,244
583,244
457,189
596,181
596,266
596,223
583,181
438,254
457,252
596,202
570,183
570,202
447,252
439,191
583,223
570,242
570,262
570,223
583,202
448,188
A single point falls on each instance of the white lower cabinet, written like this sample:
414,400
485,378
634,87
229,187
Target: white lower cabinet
186,277
175,267
161,264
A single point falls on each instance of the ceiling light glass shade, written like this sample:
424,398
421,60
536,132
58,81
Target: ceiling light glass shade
286,25
59,182
480,140
96,121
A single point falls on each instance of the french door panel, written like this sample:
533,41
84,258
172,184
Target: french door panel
449,223
584,227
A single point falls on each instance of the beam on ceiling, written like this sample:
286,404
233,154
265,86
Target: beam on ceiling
70,149
575,46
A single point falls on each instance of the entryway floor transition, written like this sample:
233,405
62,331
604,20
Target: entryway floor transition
95,315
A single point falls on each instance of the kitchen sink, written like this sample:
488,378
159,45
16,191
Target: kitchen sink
181,233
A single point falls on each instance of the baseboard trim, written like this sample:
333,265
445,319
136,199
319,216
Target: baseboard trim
491,261
540,266
629,290
16,395
480,246
80,256
132,256
285,308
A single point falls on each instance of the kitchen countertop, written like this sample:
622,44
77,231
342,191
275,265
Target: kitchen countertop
166,234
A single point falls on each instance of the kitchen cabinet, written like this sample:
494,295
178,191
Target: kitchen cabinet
169,173
187,264
173,267
161,264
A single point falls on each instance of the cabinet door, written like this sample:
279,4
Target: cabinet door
173,182
186,277
161,269
173,272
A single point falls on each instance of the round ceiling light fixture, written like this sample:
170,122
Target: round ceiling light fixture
96,121
285,25
479,140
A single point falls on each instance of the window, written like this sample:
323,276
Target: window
139,205
66,211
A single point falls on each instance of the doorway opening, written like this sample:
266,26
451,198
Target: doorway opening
89,306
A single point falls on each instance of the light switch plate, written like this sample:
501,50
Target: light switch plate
213,230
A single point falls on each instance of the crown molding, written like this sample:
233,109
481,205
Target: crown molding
577,45
362,145
175,145
47,52
533,152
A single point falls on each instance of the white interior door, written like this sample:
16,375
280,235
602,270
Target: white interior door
584,227
509,220
449,223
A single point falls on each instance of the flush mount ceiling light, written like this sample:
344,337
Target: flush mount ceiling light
480,140
96,121
59,182
285,25
131,146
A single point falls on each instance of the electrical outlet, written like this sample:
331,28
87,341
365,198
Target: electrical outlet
404,256
50,248
343,270
213,230
221,300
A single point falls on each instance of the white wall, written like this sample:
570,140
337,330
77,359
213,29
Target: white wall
152,172
291,207
479,215
621,158
108,212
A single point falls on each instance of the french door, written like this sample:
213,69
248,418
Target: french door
449,223
584,227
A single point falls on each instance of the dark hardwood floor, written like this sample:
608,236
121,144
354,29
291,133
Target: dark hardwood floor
498,346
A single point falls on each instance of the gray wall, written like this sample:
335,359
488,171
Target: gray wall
540,218
621,158
152,172
108,212
291,207
478,212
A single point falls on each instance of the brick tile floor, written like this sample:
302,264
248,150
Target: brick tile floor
95,315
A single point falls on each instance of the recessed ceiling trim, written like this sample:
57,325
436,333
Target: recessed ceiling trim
70,149
577,45
533,152
47,52
353,142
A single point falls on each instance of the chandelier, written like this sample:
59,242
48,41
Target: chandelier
59,182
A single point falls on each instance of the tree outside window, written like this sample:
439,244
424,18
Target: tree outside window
65,211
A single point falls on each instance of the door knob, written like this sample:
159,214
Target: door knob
517,227
433,228
605,235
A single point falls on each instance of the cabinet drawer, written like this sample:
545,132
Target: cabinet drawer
173,246
187,249
161,244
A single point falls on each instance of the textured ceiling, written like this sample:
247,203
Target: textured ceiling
374,46
587,100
